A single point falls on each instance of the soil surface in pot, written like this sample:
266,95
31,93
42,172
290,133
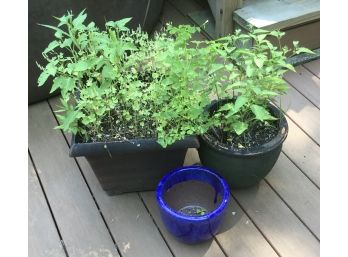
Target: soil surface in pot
192,198
259,134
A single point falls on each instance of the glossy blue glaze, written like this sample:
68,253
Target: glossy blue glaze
192,229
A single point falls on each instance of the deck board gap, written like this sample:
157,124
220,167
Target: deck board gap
287,116
304,66
293,162
289,207
292,86
89,188
221,248
302,129
48,205
256,226
154,222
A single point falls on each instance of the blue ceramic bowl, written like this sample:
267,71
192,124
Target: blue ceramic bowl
192,201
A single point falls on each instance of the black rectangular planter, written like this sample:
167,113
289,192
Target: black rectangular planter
131,166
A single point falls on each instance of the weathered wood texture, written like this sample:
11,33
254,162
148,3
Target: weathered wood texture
303,151
126,217
43,236
78,219
277,222
313,67
240,237
223,11
274,14
306,83
302,112
297,191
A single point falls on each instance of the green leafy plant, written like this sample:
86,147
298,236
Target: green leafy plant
119,84
249,73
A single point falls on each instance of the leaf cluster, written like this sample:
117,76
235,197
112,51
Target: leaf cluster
249,72
120,84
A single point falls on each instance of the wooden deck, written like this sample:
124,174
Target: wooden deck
70,215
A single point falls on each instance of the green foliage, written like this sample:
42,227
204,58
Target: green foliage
250,72
119,84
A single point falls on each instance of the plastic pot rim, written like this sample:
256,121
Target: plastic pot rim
258,150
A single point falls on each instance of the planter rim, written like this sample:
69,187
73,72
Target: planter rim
208,216
131,146
257,150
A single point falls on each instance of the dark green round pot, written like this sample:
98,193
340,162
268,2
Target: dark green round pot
243,168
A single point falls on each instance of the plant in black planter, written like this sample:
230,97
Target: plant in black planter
132,103
246,139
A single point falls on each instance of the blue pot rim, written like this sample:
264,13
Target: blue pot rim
210,215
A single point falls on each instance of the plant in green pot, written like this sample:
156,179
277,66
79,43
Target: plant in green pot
248,129
126,98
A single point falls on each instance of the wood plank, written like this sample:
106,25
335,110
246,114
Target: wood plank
78,219
126,216
313,67
277,222
43,238
274,14
307,34
171,14
303,151
297,191
223,12
239,237
306,83
206,249
302,112
128,220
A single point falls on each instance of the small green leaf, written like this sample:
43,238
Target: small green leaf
51,46
249,71
215,67
55,28
239,127
67,84
66,43
240,102
108,72
80,66
226,107
77,22
261,113
259,62
42,78
261,37
304,50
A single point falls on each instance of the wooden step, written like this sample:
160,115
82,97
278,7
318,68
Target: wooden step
277,14
300,19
